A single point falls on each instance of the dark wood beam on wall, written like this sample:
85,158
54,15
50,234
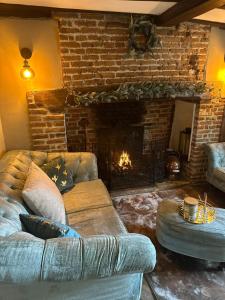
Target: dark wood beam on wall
186,10
24,11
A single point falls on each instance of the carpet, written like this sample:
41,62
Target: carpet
176,277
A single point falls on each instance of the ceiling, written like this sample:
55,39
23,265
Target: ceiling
214,15
166,12
149,7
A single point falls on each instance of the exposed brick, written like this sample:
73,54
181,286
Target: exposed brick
93,48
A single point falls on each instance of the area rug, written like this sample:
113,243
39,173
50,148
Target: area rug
176,277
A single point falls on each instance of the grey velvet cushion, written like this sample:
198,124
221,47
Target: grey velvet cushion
42,196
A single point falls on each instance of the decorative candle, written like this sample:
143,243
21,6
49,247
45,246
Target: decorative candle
190,209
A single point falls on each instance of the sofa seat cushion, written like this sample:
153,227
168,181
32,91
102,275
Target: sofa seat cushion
104,220
86,195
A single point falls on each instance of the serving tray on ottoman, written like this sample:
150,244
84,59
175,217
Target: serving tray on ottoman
203,241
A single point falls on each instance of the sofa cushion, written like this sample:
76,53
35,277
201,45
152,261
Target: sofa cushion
45,228
42,196
58,173
86,195
104,220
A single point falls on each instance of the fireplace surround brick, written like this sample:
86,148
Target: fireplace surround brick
54,131
48,130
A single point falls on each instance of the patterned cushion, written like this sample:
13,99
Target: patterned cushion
58,173
46,229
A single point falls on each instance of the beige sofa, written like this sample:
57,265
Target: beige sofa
105,263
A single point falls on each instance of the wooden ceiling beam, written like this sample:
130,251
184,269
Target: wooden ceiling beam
31,11
24,11
186,10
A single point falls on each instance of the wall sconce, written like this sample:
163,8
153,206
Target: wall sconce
26,71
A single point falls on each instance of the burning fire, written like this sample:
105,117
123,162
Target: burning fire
124,161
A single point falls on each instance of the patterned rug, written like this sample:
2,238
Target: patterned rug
176,277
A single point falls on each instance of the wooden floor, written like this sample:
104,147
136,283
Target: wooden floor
146,293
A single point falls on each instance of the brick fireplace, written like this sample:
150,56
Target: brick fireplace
93,49
103,129
54,128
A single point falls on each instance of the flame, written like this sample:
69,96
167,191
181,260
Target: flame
124,161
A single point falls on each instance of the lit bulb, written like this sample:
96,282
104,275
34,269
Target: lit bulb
26,72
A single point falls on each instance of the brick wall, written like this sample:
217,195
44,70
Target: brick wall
48,130
93,48
207,129
94,51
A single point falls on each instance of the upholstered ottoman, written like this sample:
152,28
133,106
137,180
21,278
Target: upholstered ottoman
204,241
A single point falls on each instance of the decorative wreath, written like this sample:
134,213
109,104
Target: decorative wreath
142,26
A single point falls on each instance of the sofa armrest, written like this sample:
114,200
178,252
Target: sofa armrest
20,258
97,257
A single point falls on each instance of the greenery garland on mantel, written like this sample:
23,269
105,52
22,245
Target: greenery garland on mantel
147,91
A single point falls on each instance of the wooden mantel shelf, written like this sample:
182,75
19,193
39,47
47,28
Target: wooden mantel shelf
54,100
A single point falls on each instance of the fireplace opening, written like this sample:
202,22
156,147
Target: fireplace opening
125,158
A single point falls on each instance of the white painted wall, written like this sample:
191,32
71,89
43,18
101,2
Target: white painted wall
216,52
42,36
2,140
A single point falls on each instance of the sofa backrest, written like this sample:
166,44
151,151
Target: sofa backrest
14,166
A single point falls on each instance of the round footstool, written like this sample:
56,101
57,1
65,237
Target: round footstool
204,241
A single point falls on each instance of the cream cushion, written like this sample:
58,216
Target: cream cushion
42,196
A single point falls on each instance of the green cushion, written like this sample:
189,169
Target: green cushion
59,174
45,228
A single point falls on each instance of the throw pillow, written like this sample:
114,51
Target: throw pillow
56,170
46,229
42,196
